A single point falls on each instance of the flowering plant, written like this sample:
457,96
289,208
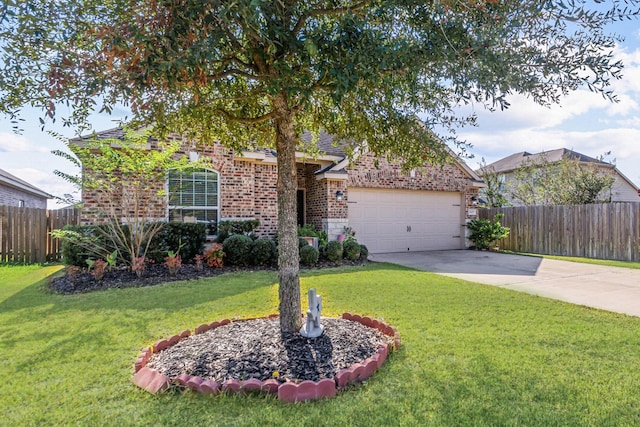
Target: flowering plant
214,256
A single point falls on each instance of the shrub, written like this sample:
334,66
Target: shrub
333,251
173,262
98,266
307,230
323,238
302,243
309,255
186,239
351,250
80,243
214,256
364,253
238,249
484,232
139,265
262,251
226,229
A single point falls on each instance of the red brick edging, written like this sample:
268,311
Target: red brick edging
154,382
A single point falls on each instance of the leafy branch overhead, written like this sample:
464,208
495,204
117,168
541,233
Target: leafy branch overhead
359,69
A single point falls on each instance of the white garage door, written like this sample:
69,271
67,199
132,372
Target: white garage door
400,220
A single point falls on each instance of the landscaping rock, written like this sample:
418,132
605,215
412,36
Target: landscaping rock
255,350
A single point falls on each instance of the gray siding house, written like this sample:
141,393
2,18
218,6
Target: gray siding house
16,192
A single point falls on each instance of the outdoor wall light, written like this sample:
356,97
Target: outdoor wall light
474,201
339,196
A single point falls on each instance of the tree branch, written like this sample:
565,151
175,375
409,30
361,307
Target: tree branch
245,120
325,12
235,72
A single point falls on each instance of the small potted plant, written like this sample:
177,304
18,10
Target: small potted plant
173,262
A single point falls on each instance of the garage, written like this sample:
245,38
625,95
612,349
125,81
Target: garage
406,220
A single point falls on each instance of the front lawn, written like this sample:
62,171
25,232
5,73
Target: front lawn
472,354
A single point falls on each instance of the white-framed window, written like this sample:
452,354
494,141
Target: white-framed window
194,196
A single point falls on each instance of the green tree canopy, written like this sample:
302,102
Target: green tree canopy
565,182
255,72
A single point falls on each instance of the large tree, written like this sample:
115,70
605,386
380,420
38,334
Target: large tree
257,73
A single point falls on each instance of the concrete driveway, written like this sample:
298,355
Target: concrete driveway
608,288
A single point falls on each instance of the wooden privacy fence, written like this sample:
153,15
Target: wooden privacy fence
605,231
24,233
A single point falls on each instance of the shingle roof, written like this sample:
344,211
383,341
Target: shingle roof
326,144
115,133
516,160
14,181
325,141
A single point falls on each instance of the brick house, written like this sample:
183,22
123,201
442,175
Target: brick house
390,211
16,192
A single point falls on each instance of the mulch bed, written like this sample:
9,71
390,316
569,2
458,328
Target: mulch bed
256,349
153,275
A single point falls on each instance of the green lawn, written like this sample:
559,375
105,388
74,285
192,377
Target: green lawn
472,354
607,262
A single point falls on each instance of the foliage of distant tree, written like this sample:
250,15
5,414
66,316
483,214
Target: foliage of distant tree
493,195
252,73
567,182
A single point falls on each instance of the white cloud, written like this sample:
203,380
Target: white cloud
622,142
10,142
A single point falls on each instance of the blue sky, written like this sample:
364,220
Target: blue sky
584,122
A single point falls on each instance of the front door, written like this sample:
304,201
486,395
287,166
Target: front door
300,204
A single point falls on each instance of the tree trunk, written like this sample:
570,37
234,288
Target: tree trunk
288,256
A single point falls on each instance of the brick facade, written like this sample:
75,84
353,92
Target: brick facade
388,175
248,188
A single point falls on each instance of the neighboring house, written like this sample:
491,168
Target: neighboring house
390,211
16,192
622,190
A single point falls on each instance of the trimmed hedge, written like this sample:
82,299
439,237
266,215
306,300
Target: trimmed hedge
351,250
333,251
262,251
309,255
186,239
364,253
226,229
238,249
